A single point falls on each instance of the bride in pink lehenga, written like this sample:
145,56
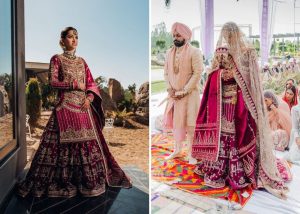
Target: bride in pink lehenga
232,138
73,156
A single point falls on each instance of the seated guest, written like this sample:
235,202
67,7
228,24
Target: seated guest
279,120
294,152
290,96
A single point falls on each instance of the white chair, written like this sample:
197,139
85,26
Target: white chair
28,126
109,125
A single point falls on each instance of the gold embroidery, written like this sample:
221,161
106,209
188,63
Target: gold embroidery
227,74
215,184
248,164
74,97
208,138
227,126
72,69
69,107
177,56
229,90
72,135
231,100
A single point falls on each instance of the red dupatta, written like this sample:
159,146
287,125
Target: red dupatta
208,124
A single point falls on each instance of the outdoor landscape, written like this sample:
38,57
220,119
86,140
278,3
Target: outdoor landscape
127,137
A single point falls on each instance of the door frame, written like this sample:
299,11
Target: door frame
14,162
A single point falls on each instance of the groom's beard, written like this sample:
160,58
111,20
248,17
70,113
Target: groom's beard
178,43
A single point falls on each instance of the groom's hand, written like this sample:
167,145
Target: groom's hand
171,92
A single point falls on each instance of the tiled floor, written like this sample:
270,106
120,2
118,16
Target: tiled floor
139,178
114,200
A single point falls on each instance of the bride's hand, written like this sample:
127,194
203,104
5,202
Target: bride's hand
86,105
81,86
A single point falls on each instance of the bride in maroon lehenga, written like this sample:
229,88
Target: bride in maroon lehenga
232,139
73,155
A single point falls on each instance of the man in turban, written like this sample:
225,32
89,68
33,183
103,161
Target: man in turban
182,73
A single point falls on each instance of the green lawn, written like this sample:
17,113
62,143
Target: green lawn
154,67
158,87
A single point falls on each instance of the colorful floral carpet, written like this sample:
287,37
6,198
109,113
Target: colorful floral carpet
180,174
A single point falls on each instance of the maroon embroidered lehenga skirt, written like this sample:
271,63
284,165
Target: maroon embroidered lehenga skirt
235,166
65,169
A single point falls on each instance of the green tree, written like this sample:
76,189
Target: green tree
257,45
46,92
132,89
101,81
159,33
275,48
282,47
195,43
33,100
161,44
126,103
49,95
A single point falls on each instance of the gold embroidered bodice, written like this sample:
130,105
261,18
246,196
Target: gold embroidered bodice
73,69
229,100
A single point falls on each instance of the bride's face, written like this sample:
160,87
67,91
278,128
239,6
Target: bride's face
71,40
224,61
230,36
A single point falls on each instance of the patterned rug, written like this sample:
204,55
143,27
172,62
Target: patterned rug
180,174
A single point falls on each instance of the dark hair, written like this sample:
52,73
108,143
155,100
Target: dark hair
292,80
294,90
270,95
64,34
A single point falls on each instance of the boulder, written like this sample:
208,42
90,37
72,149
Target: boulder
107,103
143,100
4,101
115,90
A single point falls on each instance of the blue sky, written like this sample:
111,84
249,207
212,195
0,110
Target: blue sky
5,38
113,35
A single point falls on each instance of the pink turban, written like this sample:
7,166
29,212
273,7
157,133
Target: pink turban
183,30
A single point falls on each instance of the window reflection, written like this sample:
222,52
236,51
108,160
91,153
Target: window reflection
6,83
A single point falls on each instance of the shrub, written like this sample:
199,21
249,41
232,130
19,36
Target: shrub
33,101
120,116
129,99
195,43
46,93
